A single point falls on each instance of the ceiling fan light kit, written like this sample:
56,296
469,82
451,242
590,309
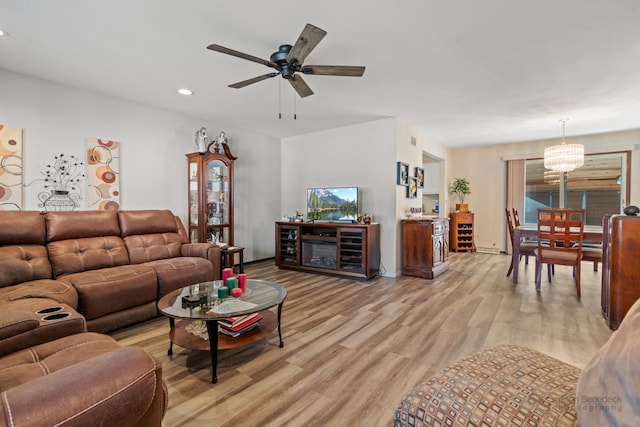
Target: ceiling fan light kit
288,60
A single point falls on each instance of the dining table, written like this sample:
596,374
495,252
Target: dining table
592,233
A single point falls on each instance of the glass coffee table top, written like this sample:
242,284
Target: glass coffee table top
201,302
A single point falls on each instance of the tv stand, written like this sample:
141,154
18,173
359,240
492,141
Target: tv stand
341,249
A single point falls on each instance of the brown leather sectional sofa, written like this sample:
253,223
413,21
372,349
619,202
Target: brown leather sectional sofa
65,273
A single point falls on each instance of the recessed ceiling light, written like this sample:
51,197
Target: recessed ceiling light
185,91
3,33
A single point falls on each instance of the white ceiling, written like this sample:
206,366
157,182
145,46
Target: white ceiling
463,72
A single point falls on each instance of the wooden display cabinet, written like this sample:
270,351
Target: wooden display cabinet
211,194
461,227
351,250
425,247
620,268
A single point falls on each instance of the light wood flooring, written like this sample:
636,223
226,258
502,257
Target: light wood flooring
354,349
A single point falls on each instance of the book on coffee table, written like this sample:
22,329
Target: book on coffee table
234,334
239,322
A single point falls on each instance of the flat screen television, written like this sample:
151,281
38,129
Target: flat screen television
332,203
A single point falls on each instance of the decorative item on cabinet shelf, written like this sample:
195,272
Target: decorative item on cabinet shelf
631,210
367,218
413,212
461,188
200,139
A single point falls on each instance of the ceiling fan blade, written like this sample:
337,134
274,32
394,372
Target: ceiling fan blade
222,49
300,86
253,80
308,40
333,70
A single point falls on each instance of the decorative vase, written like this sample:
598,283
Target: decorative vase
59,200
462,207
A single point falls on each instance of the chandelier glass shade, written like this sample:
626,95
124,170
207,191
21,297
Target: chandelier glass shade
564,157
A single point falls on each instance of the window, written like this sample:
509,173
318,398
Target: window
599,187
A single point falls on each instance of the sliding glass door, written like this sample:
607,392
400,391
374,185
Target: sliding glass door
599,187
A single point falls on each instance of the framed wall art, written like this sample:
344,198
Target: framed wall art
419,174
10,168
103,171
403,174
412,188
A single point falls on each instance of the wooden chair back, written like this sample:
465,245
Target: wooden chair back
509,224
516,217
562,231
561,228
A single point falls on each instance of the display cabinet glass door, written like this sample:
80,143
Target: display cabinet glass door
217,201
193,201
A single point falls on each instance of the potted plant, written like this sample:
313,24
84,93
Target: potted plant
461,189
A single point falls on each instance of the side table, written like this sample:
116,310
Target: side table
227,253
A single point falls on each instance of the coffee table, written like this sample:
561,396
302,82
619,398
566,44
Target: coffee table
201,302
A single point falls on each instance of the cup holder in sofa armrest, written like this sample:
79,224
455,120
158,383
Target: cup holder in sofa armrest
57,316
49,310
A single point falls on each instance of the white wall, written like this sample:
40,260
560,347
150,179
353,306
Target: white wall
485,168
360,155
57,119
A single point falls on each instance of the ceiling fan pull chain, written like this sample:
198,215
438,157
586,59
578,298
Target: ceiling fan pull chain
279,99
294,106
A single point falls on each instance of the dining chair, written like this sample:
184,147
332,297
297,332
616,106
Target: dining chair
563,230
526,247
516,217
592,251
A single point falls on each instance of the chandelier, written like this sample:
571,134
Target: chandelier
564,157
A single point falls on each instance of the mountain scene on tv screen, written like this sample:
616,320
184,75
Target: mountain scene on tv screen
323,204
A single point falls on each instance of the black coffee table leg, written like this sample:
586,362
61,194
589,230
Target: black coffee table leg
172,324
212,330
279,328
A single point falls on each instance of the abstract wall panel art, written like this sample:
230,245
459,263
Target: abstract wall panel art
10,168
103,174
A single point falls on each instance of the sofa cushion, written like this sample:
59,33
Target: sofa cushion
506,385
22,228
23,263
608,391
78,255
110,290
175,273
150,247
81,224
146,222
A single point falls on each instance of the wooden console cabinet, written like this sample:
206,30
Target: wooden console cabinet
425,247
620,267
351,250
462,232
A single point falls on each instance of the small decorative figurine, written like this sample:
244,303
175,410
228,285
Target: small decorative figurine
200,137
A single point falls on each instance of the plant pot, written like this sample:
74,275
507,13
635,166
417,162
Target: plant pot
462,207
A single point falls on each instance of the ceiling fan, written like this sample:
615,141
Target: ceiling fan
288,61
